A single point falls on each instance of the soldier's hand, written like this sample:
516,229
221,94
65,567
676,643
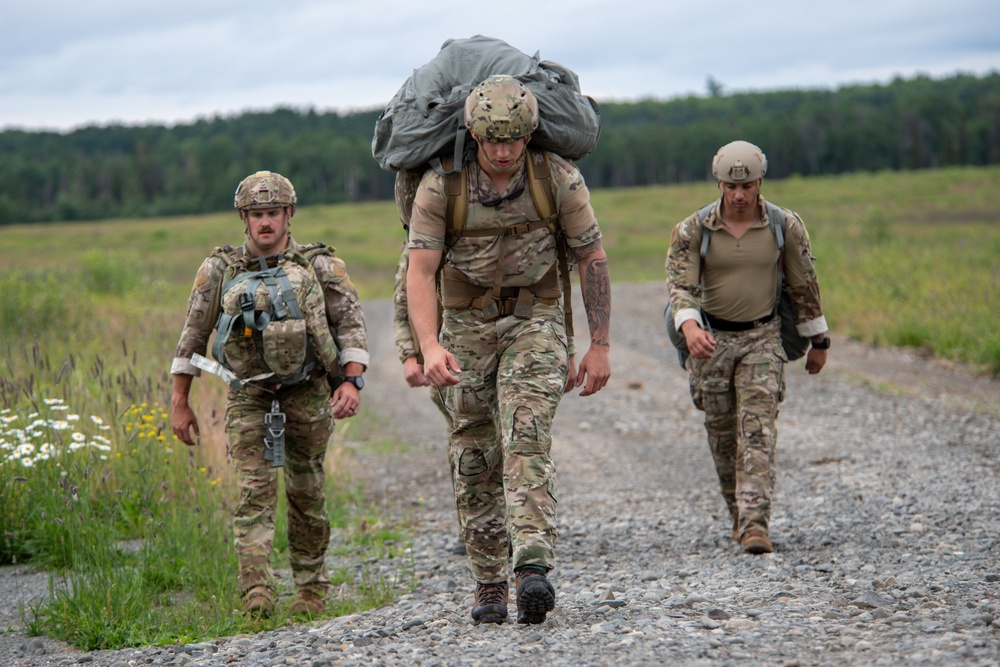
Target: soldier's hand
440,366
701,343
184,423
815,360
595,369
345,401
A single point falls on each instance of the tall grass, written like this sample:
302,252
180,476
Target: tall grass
133,526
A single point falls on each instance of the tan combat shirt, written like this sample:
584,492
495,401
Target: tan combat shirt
740,275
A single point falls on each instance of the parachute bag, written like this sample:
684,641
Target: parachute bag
424,121
285,346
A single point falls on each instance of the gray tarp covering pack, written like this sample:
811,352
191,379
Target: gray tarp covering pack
425,118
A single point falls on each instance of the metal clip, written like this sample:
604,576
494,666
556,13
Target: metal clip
274,438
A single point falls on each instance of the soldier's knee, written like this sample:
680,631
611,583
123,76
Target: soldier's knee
472,464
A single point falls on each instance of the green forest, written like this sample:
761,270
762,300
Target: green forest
118,171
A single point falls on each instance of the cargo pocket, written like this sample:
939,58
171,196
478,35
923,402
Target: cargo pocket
716,396
285,346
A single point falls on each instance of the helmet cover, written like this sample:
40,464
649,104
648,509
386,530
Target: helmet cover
501,109
739,162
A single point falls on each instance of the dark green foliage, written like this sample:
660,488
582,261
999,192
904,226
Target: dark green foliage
142,171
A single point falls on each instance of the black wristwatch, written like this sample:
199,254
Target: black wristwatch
822,345
356,380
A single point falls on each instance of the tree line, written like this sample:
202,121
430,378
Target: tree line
115,171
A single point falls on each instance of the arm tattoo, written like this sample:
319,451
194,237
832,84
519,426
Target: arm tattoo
595,283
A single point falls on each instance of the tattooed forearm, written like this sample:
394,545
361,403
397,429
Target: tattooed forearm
595,283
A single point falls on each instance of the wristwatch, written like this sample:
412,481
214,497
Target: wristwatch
356,380
822,345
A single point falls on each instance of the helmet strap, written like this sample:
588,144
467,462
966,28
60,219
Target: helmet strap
511,169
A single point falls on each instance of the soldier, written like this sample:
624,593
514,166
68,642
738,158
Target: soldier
502,354
726,307
281,374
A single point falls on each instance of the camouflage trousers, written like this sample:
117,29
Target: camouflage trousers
513,374
739,390
309,424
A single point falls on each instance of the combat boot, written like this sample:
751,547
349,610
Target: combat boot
491,603
535,595
308,602
258,602
755,541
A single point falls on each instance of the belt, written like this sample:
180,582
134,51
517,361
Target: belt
726,325
506,306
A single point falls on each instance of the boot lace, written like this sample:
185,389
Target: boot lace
492,593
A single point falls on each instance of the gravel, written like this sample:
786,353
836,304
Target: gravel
885,526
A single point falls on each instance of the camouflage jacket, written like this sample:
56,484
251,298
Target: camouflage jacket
343,311
684,271
528,257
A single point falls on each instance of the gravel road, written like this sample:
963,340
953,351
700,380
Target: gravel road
886,528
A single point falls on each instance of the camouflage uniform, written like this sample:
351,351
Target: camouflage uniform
740,387
513,370
336,322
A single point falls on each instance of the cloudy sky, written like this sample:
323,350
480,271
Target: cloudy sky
65,63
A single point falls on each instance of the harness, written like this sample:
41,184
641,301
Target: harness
284,306
497,300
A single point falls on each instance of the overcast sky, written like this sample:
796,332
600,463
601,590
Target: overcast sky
65,63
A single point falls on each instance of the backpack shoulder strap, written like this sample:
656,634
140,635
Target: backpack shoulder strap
706,233
543,196
779,225
540,183
456,201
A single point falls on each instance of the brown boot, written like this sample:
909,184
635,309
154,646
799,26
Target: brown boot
491,603
307,603
258,602
535,596
755,541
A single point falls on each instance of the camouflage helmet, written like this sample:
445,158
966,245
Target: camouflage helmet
264,189
739,162
501,109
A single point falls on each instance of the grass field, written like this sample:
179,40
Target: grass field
91,480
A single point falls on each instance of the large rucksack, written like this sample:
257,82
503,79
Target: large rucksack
423,127
261,333
425,119
795,345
